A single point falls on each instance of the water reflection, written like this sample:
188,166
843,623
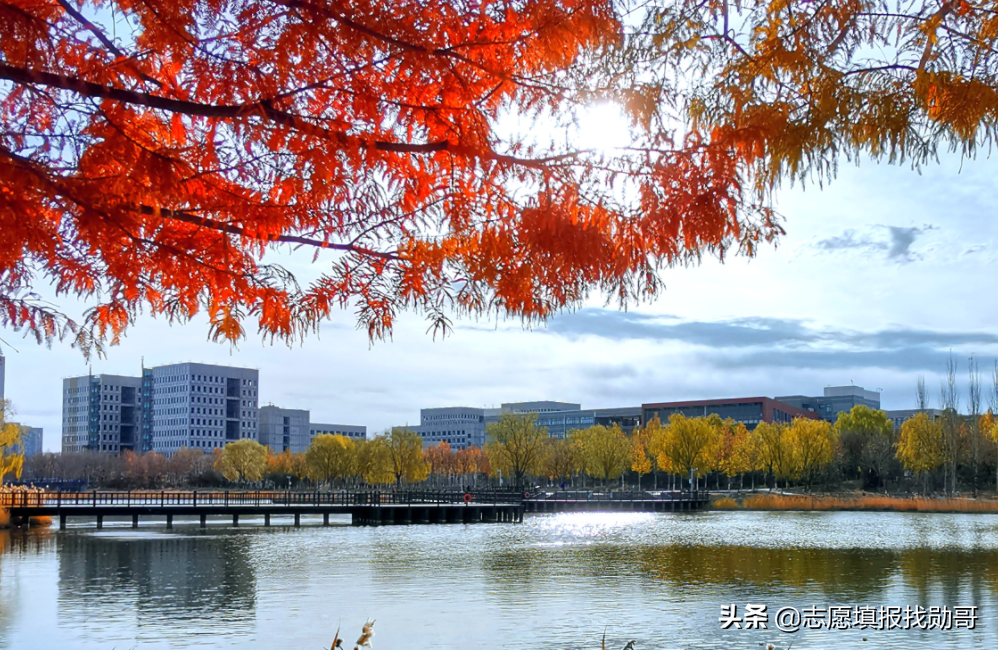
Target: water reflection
553,582
17,545
149,579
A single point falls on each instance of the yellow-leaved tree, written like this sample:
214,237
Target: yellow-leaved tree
405,455
560,460
772,452
812,444
605,451
688,445
374,463
641,456
242,460
654,433
732,453
988,426
330,457
516,445
11,443
921,447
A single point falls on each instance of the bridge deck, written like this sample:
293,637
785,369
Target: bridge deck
363,507
368,507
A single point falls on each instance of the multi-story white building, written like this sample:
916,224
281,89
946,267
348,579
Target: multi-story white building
283,429
101,413
354,431
201,406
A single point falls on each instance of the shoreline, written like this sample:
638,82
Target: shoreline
853,503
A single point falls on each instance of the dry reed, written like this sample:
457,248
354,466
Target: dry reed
871,502
724,503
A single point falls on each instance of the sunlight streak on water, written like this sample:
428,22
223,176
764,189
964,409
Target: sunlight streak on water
554,581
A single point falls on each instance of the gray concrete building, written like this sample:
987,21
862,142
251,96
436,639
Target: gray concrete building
559,417
201,406
543,406
357,432
834,400
561,423
33,441
458,426
283,429
900,416
101,413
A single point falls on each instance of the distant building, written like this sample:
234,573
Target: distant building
558,417
3,371
101,413
32,441
202,406
458,426
537,407
284,429
835,400
354,431
560,423
900,416
750,411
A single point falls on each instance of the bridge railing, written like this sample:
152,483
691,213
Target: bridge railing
254,498
614,495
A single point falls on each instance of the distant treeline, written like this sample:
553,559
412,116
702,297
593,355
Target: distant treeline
945,453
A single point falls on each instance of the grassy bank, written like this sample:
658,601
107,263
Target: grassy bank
863,502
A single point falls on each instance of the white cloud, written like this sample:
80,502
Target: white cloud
913,279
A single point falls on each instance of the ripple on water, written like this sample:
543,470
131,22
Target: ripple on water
554,581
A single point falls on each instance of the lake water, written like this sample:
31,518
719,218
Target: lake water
554,581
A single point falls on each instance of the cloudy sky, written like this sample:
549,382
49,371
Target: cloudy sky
879,277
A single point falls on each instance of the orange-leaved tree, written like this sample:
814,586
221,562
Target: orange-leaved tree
154,154
796,85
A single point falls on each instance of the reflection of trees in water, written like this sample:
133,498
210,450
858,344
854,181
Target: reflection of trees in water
950,576
852,572
959,577
520,566
171,578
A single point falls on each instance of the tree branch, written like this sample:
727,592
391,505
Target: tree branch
261,109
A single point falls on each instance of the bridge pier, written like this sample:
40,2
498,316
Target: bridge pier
100,521
169,521
235,520
62,522
204,521
135,521
325,519
297,520
266,519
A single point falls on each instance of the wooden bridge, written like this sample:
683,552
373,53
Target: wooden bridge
365,508
615,501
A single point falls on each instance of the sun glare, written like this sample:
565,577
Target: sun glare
603,127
